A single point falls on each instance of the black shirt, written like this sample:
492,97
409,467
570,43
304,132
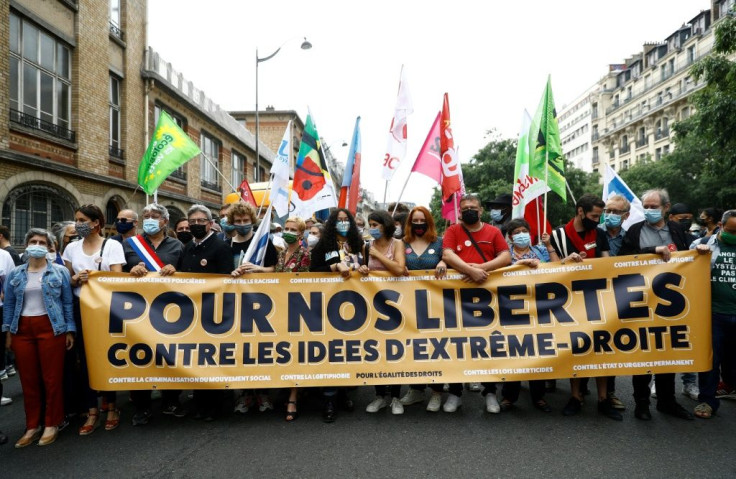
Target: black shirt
601,242
14,254
210,256
272,256
169,251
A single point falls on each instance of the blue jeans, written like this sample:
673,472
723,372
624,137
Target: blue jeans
724,349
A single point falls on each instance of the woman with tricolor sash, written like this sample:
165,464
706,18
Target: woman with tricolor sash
156,252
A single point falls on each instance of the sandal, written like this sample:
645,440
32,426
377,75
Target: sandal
542,405
88,429
704,411
291,415
111,424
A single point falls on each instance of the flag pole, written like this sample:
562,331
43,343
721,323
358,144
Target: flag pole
454,200
400,194
385,192
268,187
539,225
546,181
219,172
569,190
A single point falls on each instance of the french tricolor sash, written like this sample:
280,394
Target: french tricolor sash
146,253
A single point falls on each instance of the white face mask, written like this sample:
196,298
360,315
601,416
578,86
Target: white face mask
312,240
51,256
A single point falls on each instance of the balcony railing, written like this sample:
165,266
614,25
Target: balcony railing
624,149
595,135
662,134
116,152
210,185
596,160
116,31
642,142
42,125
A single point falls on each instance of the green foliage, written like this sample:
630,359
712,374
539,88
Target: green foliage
491,173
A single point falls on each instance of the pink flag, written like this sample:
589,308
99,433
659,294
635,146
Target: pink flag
451,207
428,160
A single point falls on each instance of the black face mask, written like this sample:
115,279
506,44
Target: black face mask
686,223
123,228
198,231
470,217
184,236
419,229
588,224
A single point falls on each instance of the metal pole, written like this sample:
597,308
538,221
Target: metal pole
256,173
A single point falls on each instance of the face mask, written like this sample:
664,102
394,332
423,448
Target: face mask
73,238
522,240
198,231
83,229
150,226
652,215
184,236
279,234
342,227
398,233
51,256
375,233
290,238
497,216
227,228
470,217
123,228
37,251
312,240
686,223
613,220
728,238
589,224
419,229
243,230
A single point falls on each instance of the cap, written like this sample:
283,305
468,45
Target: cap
680,208
500,200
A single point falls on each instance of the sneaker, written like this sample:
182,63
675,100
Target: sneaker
606,408
174,410
377,404
475,387
3,374
492,405
241,406
572,407
616,403
453,402
264,403
653,389
396,407
435,401
11,370
691,391
5,401
141,418
412,397
724,391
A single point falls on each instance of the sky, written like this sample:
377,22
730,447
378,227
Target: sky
492,57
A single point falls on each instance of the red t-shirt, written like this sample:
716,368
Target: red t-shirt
489,239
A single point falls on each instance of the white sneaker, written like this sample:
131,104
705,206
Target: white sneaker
5,401
3,375
396,407
653,389
475,387
241,407
377,404
692,391
453,402
412,396
492,404
435,401
264,403
11,370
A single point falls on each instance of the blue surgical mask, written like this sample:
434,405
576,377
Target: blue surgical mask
342,227
375,232
227,228
243,230
497,216
151,226
37,251
522,240
652,215
613,220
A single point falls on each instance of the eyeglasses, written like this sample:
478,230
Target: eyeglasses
198,221
123,220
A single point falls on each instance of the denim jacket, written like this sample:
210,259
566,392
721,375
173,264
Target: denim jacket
57,297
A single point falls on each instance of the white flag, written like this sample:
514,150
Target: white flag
396,148
279,194
614,185
256,251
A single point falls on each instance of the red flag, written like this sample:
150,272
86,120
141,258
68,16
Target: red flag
534,215
428,159
245,193
450,165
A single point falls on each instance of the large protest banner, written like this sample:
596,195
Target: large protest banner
602,317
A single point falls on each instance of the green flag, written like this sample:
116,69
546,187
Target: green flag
548,149
170,148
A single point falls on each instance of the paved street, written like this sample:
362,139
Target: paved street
471,443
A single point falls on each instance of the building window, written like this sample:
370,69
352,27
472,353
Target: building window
35,206
115,25
115,149
209,161
40,79
181,122
238,170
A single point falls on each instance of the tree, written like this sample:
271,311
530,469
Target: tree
491,173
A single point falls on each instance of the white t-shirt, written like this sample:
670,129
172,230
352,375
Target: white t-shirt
74,254
6,266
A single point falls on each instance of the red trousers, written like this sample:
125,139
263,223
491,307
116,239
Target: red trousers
39,357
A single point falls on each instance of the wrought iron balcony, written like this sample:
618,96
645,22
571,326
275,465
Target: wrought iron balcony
117,152
116,31
42,125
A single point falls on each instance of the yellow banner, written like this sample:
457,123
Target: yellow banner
603,317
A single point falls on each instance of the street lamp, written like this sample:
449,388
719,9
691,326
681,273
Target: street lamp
305,46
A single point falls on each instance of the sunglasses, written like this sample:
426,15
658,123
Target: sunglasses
123,220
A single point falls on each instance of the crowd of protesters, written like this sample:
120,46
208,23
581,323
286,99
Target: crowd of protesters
42,327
